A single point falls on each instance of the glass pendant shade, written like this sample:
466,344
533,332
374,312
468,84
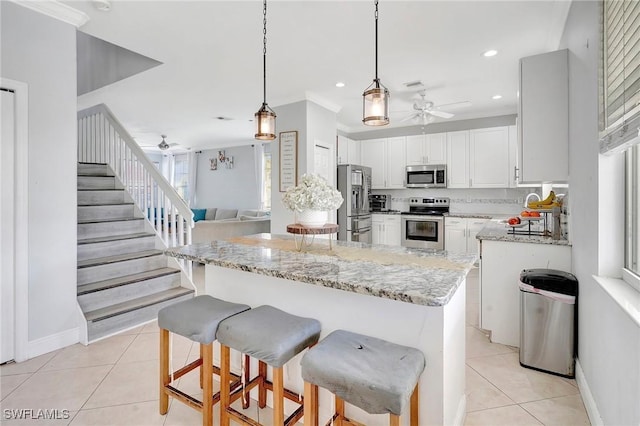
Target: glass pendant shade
265,120
375,105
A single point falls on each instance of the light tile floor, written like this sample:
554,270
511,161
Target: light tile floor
115,382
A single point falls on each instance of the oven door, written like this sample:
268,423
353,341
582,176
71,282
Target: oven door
423,232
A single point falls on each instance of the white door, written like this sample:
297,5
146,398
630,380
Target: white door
458,159
7,227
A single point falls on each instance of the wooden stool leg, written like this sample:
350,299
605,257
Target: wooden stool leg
207,390
165,378
262,391
339,411
278,397
225,379
310,404
415,407
201,369
246,400
394,420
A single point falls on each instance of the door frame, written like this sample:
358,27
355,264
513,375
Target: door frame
21,213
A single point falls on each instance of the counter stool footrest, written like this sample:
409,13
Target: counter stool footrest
183,397
290,395
295,416
241,418
184,370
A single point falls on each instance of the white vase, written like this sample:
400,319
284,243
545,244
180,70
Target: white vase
312,217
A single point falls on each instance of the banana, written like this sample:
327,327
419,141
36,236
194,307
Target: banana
543,204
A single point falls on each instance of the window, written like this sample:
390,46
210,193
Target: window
181,175
632,222
266,180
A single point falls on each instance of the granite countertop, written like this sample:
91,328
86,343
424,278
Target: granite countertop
420,276
471,215
499,231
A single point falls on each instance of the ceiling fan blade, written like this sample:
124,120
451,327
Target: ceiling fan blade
410,117
441,114
454,105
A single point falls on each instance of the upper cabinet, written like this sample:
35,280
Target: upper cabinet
386,157
458,159
348,151
489,158
427,149
543,146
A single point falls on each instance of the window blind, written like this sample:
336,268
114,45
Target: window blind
620,125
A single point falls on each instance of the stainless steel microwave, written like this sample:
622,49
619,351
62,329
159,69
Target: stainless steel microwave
426,176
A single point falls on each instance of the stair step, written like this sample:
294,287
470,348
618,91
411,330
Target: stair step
102,228
93,169
115,238
132,305
118,258
105,268
106,211
101,294
96,182
97,329
91,248
128,279
92,197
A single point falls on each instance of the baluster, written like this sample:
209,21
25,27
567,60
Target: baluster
100,137
152,211
141,184
180,230
157,208
174,223
165,219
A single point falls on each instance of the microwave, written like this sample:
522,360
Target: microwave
426,176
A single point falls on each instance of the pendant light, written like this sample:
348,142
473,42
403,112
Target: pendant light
163,145
375,102
265,117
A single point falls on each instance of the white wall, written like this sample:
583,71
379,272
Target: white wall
609,341
234,188
41,52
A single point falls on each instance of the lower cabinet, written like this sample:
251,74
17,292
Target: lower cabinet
385,229
460,234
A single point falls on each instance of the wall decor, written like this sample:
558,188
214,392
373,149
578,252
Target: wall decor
288,173
224,160
213,164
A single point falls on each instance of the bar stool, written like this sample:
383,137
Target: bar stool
375,375
273,337
196,319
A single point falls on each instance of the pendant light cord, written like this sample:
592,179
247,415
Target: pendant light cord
264,51
376,15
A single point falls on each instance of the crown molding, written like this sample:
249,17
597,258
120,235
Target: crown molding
56,10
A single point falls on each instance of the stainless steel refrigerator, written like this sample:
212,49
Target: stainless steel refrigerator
354,215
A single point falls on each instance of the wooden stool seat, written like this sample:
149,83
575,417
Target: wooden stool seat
273,337
196,319
375,375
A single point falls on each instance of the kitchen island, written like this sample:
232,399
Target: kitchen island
503,256
407,296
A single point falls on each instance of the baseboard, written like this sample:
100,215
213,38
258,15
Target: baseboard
461,412
52,343
587,397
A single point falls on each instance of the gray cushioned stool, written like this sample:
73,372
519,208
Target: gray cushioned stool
196,319
375,375
273,337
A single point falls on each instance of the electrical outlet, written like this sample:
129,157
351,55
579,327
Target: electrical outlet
520,200
468,198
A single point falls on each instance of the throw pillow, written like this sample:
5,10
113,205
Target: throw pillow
226,213
211,214
199,214
243,217
253,213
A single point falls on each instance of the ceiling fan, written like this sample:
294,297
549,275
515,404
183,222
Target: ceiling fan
426,111
162,146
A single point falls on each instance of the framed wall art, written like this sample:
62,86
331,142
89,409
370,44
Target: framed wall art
288,173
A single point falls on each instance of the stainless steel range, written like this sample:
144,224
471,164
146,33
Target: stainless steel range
423,224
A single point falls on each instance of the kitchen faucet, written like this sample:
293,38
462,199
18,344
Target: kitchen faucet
526,200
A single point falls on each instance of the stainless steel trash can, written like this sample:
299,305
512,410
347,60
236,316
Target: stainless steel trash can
548,320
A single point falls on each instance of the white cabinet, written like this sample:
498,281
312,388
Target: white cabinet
458,159
427,149
348,151
513,157
500,266
543,111
386,157
489,158
385,229
460,234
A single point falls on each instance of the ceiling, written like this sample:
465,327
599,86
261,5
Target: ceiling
211,54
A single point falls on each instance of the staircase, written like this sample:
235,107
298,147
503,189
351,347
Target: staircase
123,277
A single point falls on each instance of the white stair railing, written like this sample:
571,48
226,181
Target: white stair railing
103,139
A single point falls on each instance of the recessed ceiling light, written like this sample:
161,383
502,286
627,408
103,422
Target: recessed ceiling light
496,97
103,5
339,84
490,53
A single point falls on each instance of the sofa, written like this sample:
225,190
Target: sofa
219,224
